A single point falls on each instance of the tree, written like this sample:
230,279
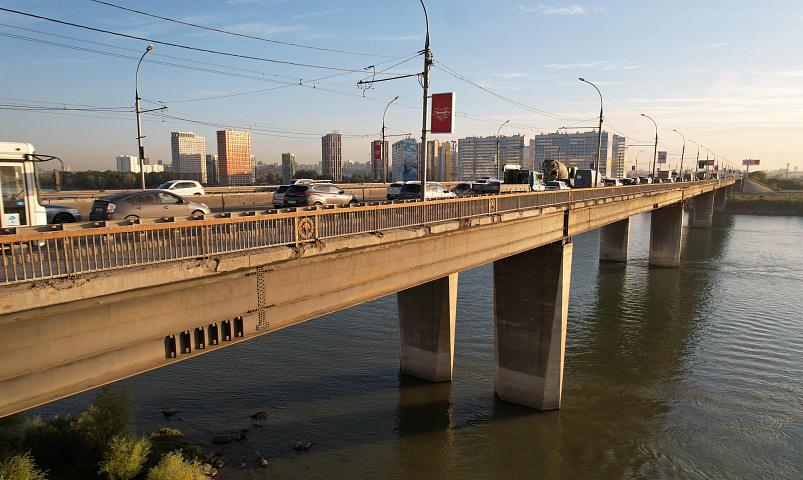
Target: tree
125,457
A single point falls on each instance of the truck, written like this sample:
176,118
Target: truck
516,180
586,178
19,185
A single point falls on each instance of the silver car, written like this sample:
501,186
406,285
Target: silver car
311,194
61,214
278,196
145,204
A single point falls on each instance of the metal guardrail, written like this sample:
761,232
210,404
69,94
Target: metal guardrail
67,250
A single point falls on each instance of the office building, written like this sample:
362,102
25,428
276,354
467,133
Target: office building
212,167
288,167
234,157
127,163
434,161
618,166
188,156
332,156
487,156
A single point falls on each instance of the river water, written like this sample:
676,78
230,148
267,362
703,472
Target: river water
695,372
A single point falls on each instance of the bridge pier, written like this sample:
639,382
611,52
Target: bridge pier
702,216
531,302
719,199
426,329
666,227
613,241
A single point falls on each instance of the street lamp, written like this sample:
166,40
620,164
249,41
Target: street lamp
139,124
706,159
497,145
599,135
655,152
384,150
682,152
698,158
636,162
425,84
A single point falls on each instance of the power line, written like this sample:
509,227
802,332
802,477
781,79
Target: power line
186,47
251,37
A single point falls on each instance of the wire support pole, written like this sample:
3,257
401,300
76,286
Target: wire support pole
140,149
427,65
599,133
655,152
682,152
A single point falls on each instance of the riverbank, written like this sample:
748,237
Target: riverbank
774,204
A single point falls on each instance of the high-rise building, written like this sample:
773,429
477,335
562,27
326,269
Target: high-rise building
288,167
449,167
212,167
405,160
486,156
127,163
618,166
234,155
332,156
379,165
189,156
434,161
574,149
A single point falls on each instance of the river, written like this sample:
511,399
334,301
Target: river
694,372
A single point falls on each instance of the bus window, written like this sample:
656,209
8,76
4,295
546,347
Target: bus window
12,188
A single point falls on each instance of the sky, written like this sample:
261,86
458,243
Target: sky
726,74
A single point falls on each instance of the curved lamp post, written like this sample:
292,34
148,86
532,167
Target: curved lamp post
427,63
655,153
384,150
707,151
139,124
682,152
636,161
499,162
599,134
697,165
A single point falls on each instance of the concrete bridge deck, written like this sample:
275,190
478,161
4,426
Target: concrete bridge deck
122,299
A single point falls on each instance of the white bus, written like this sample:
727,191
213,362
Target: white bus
19,185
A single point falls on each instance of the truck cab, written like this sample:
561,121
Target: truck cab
19,186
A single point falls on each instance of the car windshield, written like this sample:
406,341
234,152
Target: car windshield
282,188
411,188
294,189
553,184
397,185
165,185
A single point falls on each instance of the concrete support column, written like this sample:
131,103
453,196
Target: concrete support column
666,227
613,241
719,199
703,214
531,303
426,329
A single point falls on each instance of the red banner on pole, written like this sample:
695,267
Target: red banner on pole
377,151
442,113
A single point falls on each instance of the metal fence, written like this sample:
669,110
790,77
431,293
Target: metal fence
34,253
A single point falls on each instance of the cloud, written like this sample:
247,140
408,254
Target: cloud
570,10
715,45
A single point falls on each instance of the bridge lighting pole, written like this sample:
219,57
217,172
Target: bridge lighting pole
599,134
682,152
384,150
655,152
498,162
427,64
141,150
636,162
707,151
698,158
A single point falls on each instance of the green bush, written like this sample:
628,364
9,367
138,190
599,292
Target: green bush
124,458
173,466
169,440
20,467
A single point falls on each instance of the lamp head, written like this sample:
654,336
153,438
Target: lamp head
397,97
150,47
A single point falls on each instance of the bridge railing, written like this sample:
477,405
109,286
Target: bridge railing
34,253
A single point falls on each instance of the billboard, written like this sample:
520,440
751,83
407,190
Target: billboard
701,164
710,162
661,157
750,162
442,113
377,151
409,154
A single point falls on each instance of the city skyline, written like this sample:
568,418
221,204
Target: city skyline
728,80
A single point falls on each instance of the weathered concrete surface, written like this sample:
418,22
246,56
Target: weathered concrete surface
62,336
614,239
666,228
719,199
426,329
531,302
703,213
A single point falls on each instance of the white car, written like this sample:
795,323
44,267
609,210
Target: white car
412,190
182,187
556,185
393,190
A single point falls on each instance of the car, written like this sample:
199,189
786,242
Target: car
613,182
556,185
313,194
645,180
463,189
145,204
412,190
668,180
182,187
539,186
278,196
628,181
393,190
657,180
61,214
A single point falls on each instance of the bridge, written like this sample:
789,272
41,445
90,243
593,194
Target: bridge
90,303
